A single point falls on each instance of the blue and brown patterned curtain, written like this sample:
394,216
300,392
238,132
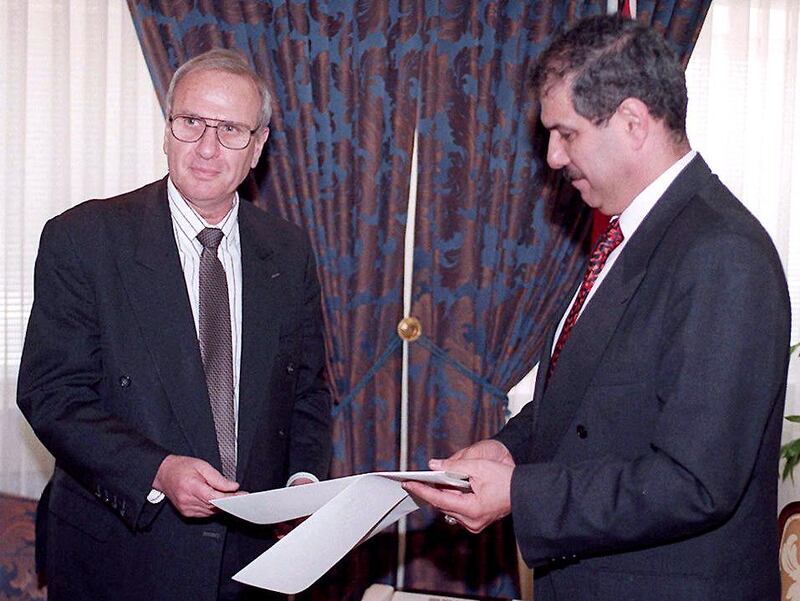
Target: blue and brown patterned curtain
497,243
498,239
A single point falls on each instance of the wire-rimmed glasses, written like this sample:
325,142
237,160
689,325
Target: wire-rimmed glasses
190,128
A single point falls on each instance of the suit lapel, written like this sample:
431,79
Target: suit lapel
594,330
261,283
154,281
580,357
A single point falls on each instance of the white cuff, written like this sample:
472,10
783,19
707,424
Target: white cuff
299,475
155,496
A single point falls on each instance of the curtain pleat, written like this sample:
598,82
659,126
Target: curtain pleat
678,20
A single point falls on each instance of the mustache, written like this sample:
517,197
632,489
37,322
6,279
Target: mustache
571,174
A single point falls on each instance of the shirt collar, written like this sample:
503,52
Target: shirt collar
632,217
190,223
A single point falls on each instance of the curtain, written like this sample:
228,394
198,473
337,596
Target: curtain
498,244
346,74
78,111
744,117
678,20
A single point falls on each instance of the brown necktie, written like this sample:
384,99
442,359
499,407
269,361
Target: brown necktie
610,239
215,347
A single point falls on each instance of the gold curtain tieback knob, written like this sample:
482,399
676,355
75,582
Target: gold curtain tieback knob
409,329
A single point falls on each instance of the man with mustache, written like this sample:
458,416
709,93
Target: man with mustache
174,355
645,467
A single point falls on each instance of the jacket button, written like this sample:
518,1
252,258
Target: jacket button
282,433
582,431
124,381
290,369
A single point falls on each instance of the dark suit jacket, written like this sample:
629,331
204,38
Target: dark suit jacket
648,467
112,381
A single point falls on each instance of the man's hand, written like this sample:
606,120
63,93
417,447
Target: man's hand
489,466
491,449
190,484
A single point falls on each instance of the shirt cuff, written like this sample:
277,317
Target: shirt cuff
155,496
299,475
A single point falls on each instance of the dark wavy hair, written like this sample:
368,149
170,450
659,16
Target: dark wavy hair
608,59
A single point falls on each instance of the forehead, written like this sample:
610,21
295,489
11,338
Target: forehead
218,95
556,106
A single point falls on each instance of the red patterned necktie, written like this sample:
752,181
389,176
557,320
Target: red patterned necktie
610,239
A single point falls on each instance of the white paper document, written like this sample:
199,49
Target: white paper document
343,512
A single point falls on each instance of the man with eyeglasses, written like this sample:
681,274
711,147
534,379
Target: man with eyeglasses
174,355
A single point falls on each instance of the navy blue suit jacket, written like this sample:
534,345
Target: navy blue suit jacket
648,467
112,381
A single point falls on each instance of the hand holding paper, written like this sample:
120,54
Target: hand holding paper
487,448
343,512
488,500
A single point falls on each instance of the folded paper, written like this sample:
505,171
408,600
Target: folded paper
342,513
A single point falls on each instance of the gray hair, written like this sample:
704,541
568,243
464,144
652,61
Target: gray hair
607,59
228,61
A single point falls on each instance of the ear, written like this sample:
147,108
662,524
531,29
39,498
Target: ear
636,120
260,140
167,134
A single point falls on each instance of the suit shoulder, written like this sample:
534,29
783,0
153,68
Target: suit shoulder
90,213
715,214
716,234
273,226
98,226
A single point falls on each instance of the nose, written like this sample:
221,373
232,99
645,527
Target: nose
556,156
208,144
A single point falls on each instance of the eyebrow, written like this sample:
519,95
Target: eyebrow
554,126
198,116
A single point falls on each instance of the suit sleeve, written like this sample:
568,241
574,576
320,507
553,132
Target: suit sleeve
310,441
61,383
720,382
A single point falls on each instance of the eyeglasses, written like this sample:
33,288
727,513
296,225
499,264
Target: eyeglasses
188,128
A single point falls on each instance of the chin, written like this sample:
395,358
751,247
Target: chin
201,190
602,208
598,204
589,201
